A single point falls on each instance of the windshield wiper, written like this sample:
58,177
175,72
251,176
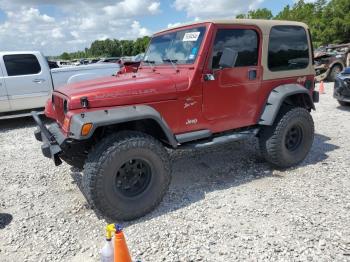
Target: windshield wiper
149,62
172,61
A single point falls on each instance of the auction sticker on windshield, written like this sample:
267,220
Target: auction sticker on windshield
191,36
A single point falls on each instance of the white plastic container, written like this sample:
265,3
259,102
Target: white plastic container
107,252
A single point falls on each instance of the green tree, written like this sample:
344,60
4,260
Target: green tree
329,22
336,22
65,56
126,47
241,16
301,11
262,13
96,48
140,45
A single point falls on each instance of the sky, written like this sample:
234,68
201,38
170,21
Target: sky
56,26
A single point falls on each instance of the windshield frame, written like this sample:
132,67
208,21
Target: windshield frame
146,64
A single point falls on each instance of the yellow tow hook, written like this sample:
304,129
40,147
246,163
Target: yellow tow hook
110,229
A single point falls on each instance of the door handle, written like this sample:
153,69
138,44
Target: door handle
39,81
252,74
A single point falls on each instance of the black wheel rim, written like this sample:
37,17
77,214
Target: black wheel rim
133,177
294,138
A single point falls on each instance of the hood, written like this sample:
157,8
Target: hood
123,89
345,74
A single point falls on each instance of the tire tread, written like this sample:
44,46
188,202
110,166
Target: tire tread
102,153
271,137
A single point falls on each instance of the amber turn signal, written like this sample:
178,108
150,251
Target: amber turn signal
85,130
66,123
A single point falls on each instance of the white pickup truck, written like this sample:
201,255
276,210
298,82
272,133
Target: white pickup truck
26,81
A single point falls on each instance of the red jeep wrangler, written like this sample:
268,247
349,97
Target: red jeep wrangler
199,85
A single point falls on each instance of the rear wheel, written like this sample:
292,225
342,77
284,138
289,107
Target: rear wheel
126,175
289,140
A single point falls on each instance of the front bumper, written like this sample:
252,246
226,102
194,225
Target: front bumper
51,137
340,97
342,88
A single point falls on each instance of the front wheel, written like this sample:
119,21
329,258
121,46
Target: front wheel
289,140
336,69
126,175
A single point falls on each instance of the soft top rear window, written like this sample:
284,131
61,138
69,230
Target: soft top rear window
288,48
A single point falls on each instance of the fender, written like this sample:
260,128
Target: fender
118,115
276,98
337,62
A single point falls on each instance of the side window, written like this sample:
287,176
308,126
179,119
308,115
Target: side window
288,48
25,64
244,41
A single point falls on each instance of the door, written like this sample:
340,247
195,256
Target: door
4,102
27,82
230,94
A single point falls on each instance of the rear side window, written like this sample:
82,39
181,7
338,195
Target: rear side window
288,48
244,41
25,64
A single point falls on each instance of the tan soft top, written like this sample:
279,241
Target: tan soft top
264,25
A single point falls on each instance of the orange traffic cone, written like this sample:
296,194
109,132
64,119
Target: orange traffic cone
121,251
321,90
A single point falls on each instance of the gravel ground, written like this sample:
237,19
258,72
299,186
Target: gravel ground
224,204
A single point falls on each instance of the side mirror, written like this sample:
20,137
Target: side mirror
228,58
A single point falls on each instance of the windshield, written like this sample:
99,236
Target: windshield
180,47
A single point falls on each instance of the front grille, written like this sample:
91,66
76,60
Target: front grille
347,82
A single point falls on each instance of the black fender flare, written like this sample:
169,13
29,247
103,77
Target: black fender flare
276,98
117,115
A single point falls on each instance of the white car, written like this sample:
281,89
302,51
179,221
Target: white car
64,63
26,81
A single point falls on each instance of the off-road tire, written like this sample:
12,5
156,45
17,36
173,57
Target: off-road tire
343,103
272,139
336,69
100,171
